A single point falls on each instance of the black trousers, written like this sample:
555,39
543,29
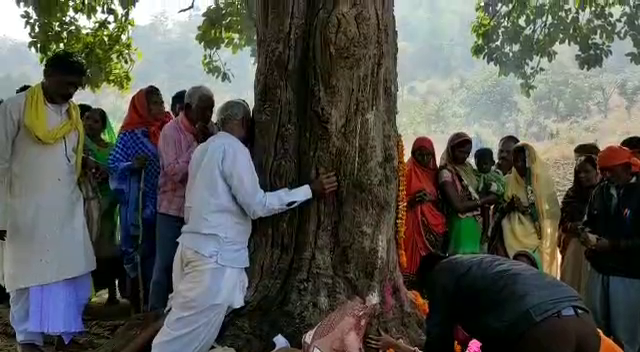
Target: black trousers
557,333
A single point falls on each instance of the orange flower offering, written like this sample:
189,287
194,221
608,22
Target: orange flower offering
423,306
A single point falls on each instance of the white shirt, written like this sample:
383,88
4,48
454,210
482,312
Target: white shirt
223,195
41,206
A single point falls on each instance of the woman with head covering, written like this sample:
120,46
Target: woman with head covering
134,168
574,269
100,204
426,225
532,210
459,184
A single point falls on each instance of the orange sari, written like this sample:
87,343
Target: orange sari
426,224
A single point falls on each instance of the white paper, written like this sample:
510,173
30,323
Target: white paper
280,342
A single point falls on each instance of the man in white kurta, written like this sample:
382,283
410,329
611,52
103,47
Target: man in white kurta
223,195
48,255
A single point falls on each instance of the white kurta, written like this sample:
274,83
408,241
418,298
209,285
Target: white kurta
223,195
41,206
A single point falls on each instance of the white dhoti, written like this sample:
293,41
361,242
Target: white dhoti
203,293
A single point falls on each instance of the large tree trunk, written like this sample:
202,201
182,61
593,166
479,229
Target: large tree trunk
325,99
326,87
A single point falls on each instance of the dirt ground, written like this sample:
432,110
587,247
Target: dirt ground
101,322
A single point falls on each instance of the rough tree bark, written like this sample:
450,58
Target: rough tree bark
325,99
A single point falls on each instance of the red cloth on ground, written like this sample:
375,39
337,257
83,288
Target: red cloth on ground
617,155
426,179
138,117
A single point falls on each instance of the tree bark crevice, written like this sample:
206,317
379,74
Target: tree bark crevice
326,87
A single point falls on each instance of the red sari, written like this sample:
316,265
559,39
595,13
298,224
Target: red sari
425,225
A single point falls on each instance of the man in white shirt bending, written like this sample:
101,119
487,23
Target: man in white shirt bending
223,196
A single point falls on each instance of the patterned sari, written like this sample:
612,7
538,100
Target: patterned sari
536,230
465,230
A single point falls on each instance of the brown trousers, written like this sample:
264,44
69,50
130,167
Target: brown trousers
557,334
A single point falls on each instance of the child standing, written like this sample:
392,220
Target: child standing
489,181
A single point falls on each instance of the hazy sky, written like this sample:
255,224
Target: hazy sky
11,24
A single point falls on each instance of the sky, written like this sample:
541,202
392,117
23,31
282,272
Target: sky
11,25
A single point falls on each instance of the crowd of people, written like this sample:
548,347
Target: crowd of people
170,197
589,240
160,212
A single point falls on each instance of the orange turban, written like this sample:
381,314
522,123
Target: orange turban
616,155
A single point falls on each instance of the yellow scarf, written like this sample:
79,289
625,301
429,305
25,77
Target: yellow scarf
36,122
519,231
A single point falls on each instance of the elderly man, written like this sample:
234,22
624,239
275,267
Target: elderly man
48,252
223,197
613,248
178,139
505,154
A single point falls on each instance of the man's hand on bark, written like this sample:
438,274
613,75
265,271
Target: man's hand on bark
325,183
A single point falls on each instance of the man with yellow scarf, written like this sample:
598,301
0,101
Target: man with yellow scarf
48,255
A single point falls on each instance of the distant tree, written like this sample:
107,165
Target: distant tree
603,86
488,98
516,36
562,93
629,90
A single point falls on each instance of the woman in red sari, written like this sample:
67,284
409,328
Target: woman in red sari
426,225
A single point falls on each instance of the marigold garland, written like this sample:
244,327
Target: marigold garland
401,211
423,306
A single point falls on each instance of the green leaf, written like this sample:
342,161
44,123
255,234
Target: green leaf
99,31
521,34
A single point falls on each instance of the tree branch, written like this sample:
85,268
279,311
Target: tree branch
193,2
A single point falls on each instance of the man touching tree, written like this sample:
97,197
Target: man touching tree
223,196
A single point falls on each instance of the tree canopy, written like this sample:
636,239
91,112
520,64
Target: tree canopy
230,24
441,86
99,31
517,36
